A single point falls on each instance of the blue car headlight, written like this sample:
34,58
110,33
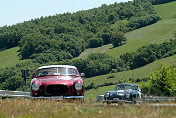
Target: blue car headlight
127,95
107,94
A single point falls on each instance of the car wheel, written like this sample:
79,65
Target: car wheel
108,102
133,100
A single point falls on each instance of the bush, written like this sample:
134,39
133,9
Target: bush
118,39
143,21
156,2
12,83
163,81
95,42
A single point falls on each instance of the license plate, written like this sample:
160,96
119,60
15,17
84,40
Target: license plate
116,99
57,98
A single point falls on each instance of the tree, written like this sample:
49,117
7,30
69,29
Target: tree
163,81
118,39
31,44
12,83
95,42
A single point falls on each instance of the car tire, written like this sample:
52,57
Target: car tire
133,100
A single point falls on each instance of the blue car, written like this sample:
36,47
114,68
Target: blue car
125,92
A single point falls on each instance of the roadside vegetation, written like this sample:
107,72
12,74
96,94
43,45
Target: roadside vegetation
20,108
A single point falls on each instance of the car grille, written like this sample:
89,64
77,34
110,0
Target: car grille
56,90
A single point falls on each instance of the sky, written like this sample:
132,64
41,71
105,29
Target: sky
17,11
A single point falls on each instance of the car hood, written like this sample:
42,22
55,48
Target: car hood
65,80
120,91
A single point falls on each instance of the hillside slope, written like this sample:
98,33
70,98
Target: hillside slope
155,33
166,11
10,57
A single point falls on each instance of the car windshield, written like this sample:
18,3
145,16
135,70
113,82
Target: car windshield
124,87
57,71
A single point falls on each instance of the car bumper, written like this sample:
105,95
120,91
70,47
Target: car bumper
116,101
59,97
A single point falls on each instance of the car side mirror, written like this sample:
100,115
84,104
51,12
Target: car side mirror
82,74
139,90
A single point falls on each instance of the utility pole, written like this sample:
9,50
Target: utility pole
25,75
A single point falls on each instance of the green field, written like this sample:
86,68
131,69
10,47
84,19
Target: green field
166,11
10,57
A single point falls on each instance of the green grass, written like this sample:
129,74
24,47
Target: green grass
10,57
166,11
102,49
155,33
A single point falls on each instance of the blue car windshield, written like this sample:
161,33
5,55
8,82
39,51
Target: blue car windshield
124,87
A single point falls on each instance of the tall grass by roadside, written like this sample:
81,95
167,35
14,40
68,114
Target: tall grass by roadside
19,108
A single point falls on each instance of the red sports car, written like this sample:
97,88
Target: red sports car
57,81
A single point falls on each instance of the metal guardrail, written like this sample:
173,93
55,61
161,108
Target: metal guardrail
22,94
18,94
146,99
160,98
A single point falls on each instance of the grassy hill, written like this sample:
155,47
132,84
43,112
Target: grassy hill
166,11
155,33
10,57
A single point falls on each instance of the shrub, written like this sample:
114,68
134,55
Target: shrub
163,81
95,42
118,39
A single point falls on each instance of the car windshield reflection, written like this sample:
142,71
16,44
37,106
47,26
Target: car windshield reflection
57,71
124,87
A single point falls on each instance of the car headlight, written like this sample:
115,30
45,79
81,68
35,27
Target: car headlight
78,86
35,86
127,95
107,94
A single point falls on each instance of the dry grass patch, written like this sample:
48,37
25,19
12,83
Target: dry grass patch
19,108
